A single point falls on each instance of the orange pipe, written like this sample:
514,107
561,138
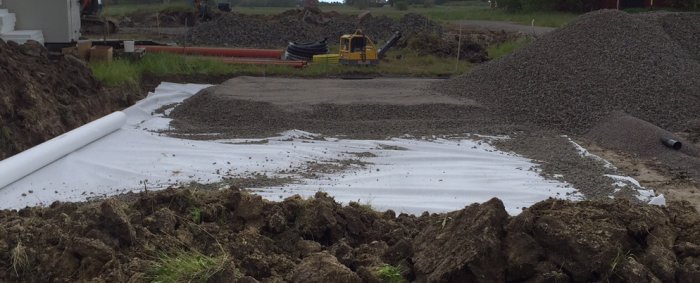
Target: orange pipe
208,51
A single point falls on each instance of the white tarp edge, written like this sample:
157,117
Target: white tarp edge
28,161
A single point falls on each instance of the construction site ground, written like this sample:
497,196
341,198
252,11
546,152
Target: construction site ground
270,179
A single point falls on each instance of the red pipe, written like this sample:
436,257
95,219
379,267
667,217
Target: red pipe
207,51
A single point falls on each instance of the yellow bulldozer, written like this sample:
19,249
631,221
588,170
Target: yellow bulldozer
358,49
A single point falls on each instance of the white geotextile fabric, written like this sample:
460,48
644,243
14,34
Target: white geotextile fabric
433,175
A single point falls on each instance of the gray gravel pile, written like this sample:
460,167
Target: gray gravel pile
238,30
602,62
622,132
685,29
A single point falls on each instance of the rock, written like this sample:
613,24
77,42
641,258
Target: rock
321,268
466,249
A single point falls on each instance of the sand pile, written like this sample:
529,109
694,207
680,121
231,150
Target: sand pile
41,98
604,61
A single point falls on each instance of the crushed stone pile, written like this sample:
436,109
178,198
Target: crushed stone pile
42,97
603,61
276,31
239,236
684,28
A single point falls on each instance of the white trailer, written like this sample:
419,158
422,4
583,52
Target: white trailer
58,20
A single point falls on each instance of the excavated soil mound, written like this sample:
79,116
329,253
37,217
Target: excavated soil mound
239,30
42,97
433,44
162,19
601,62
239,237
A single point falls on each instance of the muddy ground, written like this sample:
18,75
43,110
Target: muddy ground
43,96
123,239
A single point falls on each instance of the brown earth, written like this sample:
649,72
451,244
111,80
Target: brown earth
317,240
43,96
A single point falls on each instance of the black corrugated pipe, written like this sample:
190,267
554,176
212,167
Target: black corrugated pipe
672,143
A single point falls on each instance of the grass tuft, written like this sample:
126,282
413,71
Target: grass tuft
19,258
390,274
503,49
186,267
119,72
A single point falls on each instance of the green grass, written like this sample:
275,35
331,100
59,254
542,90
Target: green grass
410,64
119,72
196,215
390,274
185,267
473,10
503,49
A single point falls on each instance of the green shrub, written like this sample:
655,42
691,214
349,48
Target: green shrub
390,274
401,5
510,6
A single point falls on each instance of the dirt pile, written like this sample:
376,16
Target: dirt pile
162,19
602,62
42,97
433,44
238,237
276,31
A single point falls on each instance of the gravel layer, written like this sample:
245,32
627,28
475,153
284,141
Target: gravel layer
559,159
377,108
643,140
257,31
602,62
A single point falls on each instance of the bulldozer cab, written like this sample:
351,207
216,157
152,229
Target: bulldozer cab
357,49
